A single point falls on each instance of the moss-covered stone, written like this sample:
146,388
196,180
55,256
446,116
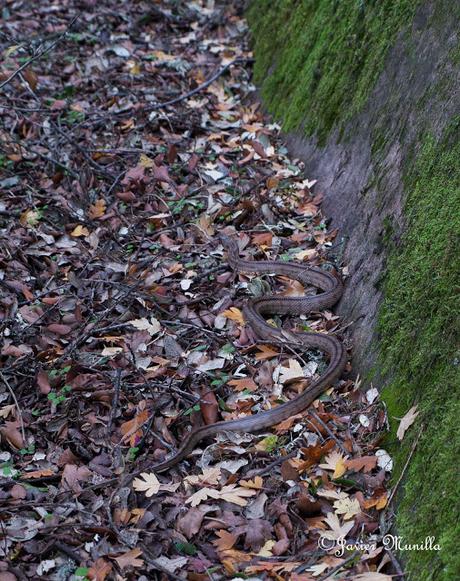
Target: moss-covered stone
317,62
420,352
322,57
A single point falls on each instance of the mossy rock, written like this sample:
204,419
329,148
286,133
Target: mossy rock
319,64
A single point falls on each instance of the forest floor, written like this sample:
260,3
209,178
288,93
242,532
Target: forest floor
129,139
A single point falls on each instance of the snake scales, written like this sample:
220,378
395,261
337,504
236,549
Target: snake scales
253,314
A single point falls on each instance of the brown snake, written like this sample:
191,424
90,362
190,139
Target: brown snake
270,304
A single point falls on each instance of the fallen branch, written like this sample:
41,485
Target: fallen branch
39,53
196,90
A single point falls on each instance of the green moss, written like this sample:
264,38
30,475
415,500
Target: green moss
317,62
322,57
420,333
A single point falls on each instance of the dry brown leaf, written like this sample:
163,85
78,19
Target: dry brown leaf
266,352
234,314
236,495
12,435
100,570
407,421
287,424
348,507
38,474
257,483
365,463
43,382
130,559
293,370
272,183
97,210
336,529
372,576
130,428
225,540
243,383
209,406
230,493
147,483
335,462
6,410
79,231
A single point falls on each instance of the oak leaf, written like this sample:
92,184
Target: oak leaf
407,421
349,507
130,559
336,529
97,210
335,462
265,352
225,540
234,314
365,463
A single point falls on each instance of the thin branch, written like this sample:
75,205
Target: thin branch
39,54
16,403
411,453
196,90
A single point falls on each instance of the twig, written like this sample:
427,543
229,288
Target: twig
39,54
196,90
270,466
115,400
340,566
320,421
411,453
16,403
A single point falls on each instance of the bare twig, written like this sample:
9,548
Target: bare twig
196,90
403,471
41,52
16,403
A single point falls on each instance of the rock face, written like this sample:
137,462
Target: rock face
368,94
364,187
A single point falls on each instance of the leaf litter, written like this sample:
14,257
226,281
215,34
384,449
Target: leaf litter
125,146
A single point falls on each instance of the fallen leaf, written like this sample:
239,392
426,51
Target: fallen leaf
97,210
150,484
335,462
336,529
152,327
6,410
243,383
257,483
407,421
209,476
365,463
230,493
234,314
293,370
130,559
225,540
12,435
349,507
100,570
372,576
265,352
79,231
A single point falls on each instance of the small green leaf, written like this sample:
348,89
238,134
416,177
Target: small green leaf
186,548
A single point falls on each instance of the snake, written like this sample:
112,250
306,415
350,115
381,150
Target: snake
253,313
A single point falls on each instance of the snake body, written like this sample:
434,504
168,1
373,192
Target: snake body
253,313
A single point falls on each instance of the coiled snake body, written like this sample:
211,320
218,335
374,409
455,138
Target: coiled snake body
253,311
